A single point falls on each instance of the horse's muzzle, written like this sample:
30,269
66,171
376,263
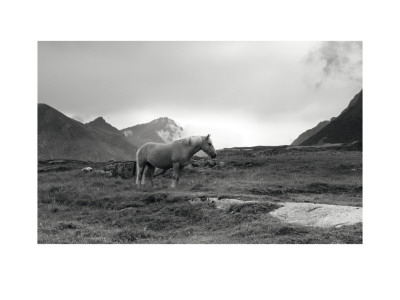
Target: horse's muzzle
214,155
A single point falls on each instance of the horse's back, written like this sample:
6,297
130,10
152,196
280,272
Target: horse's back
148,145
157,154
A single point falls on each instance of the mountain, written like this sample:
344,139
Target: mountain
62,137
161,130
310,132
346,128
101,124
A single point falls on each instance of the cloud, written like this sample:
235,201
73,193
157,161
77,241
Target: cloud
244,93
113,77
335,61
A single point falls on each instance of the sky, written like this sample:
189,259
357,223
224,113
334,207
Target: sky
242,93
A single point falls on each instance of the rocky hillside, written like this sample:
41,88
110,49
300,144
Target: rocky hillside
160,130
62,137
346,128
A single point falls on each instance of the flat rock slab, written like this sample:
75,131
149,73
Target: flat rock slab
318,215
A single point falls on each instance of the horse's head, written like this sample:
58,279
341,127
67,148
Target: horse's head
208,147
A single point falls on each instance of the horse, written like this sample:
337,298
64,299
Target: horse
174,155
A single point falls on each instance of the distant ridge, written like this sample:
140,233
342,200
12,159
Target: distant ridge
309,133
62,137
346,128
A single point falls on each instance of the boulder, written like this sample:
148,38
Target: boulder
87,169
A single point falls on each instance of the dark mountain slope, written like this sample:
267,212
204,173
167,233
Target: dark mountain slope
346,128
63,137
309,133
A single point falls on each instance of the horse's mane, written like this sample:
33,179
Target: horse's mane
191,140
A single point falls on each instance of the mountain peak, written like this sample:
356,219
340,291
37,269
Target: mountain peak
99,120
100,123
164,120
43,105
161,130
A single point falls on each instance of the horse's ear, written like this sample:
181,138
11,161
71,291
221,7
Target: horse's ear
208,136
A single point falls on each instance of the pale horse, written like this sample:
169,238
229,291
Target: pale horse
174,155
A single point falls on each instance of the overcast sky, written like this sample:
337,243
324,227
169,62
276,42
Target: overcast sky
242,93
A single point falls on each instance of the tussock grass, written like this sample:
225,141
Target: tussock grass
74,207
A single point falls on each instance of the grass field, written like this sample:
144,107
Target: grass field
76,207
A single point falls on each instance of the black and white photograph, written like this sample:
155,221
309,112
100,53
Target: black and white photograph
199,150
200,142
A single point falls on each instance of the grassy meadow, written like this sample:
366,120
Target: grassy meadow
77,207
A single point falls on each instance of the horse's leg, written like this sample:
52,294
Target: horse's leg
150,172
140,170
144,174
175,176
139,167
177,172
